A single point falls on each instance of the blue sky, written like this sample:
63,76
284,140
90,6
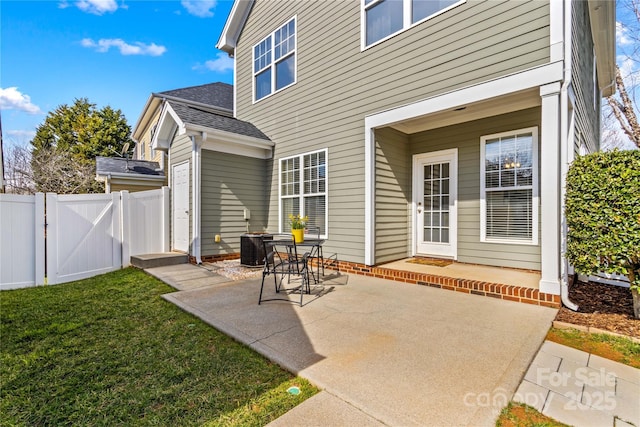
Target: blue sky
112,52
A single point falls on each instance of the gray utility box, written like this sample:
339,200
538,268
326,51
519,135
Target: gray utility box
251,249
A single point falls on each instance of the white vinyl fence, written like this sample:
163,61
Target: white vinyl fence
21,240
86,234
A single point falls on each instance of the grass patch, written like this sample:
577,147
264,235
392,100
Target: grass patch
521,415
618,349
109,351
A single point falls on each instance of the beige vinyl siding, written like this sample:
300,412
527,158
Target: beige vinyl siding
337,84
587,123
393,196
134,188
230,184
466,137
180,152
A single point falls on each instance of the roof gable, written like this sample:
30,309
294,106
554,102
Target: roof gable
217,94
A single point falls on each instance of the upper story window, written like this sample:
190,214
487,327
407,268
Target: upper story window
509,187
384,18
274,61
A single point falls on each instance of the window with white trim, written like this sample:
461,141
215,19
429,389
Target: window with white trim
384,18
509,187
274,61
303,189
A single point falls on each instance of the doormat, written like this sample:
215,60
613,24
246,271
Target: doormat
431,261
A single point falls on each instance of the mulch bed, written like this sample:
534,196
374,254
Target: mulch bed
602,306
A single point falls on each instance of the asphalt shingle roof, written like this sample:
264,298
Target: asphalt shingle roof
119,165
215,94
196,116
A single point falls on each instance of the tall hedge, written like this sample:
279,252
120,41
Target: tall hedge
603,214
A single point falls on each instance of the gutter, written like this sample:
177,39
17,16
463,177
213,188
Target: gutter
566,145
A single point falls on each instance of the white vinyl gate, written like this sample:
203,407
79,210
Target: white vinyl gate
86,234
83,236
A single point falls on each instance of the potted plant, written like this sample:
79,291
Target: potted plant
298,224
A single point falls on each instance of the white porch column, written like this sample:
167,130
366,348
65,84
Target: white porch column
550,189
196,155
369,193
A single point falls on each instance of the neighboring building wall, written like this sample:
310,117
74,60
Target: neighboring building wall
393,195
230,184
587,96
143,148
466,137
133,188
338,84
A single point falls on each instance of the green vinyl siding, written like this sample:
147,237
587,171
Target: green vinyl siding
230,183
338,84
393,196
466,137
587,118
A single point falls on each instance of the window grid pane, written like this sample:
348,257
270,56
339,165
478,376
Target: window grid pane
436,203
509,187
306,172
275,54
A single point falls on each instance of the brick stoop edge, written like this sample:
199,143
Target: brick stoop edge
475,287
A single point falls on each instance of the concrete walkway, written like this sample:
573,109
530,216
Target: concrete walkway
383,352
581,389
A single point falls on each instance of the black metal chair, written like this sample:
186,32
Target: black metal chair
282,258
318,255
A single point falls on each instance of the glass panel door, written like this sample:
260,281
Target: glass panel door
435,185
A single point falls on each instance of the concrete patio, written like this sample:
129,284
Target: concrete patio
383,352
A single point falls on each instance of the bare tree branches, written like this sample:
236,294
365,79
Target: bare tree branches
623,104
17,171
623,109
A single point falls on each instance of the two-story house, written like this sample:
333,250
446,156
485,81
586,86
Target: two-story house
406,127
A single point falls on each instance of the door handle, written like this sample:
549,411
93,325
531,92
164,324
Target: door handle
187,212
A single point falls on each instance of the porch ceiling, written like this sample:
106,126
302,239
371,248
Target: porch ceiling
467,112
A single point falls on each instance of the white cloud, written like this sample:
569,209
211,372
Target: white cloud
22,134
221,64
622,35
200,8
12,99
137,48
97,7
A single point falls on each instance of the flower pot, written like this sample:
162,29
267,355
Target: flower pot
298,235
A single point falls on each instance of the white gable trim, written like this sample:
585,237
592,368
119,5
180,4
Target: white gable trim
232,28
534,77
167,125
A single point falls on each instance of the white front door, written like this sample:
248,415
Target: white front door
435,191
180,184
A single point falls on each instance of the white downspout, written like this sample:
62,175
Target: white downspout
196,149
107,187
566,145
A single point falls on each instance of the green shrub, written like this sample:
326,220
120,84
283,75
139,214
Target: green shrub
603,214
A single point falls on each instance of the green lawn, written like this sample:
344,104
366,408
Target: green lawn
109,351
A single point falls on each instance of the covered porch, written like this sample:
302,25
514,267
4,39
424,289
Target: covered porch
473,176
